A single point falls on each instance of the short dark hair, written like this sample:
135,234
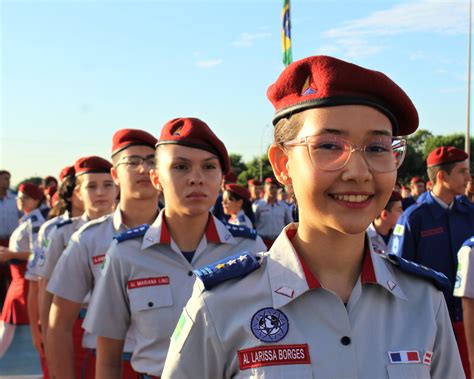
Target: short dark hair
433,170
3,172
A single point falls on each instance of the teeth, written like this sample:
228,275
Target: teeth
352,198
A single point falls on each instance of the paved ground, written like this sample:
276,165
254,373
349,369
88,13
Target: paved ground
21,360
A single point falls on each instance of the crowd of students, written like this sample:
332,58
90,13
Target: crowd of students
156,263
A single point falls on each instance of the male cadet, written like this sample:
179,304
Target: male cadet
271,215
78,269
431,232
417,188
464,288
381,229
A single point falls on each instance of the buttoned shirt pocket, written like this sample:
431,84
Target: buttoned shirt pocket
408,371
277,372
146,304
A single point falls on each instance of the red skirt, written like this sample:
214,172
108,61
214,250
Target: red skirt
15,309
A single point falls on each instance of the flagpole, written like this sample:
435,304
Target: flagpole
467,146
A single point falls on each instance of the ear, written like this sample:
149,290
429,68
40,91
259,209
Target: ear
441,176
384,214
113,172
278,158
155,180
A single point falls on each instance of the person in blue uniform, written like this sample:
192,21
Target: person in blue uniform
431,232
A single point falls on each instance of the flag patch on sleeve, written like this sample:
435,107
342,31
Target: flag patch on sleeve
404,356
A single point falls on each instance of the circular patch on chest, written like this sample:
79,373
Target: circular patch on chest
269,325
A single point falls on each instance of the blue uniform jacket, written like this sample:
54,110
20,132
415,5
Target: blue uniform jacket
430,235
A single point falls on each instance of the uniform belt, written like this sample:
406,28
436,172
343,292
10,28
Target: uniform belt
82,313
125,356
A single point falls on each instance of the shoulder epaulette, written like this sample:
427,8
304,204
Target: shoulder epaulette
241,231
437,278
132,233
236,266
60,224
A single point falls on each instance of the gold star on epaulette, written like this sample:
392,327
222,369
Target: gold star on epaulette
220,265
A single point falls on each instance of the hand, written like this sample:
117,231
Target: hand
38,341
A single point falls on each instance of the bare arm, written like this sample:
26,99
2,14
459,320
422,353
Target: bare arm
468,311
60,352
45,300
33,315
109,358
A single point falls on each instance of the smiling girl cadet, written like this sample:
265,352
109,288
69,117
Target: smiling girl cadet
321,303
148,275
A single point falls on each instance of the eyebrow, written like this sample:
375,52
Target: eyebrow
184,159
374,132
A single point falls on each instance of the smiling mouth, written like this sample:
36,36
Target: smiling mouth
352,198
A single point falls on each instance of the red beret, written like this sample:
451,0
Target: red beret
322,81
124,138
271,181
254,182
32,190
195,133
92,165
395,196
416,179
67,171
230,177
238,190
445,154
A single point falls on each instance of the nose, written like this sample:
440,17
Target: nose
196,177
357,169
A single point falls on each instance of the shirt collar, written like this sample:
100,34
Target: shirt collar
290,277
158,233
117,220
441,202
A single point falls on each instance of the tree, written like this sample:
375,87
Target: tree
255,167
34,179
236,164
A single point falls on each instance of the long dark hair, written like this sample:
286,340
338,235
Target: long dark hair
246,205
66,190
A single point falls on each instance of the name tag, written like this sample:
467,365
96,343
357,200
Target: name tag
273,355
148,282
432,232
98,259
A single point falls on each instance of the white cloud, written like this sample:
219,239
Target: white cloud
247,39
446,17
209,63
356,38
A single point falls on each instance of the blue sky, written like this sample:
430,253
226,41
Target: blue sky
73,72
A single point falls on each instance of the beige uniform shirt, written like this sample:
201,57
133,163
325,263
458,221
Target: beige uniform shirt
146,283
278,322
58,240
41,245
378,243
78,268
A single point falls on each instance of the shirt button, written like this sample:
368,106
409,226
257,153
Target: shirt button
190,273
150,304
345,340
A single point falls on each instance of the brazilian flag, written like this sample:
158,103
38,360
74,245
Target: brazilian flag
286,33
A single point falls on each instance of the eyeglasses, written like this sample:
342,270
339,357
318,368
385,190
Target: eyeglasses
332,153
133,162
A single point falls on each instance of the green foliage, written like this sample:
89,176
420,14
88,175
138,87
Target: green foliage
255,167
236,163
